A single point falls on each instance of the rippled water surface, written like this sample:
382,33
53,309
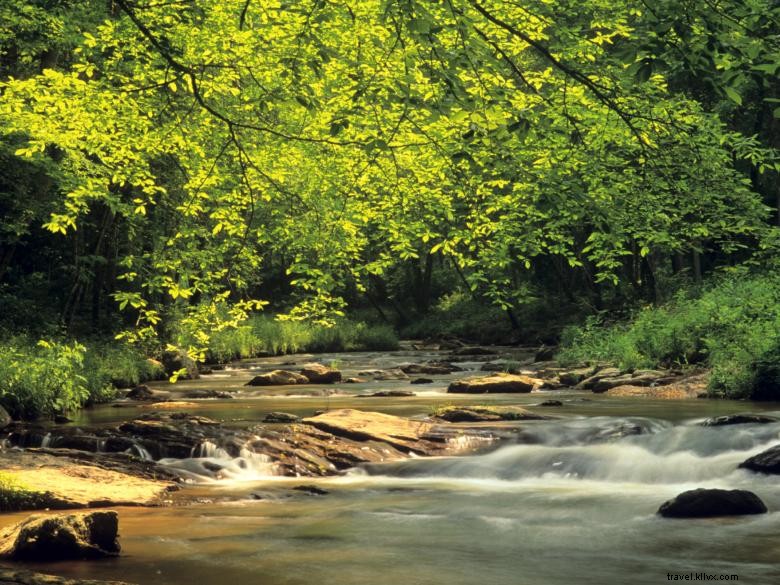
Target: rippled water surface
568,501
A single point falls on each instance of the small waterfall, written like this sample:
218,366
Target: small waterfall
46,441
141,452
209,463
101,445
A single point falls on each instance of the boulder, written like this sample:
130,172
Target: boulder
421,381
589,382
142,392
509,383
5,418
79,535
175,361
280,417
765,462
278,378
739,419
709,503
574,377
485,414
319,374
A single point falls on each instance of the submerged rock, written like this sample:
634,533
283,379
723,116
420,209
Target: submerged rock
9,576
510,383
765,462
81,535
312,490
394,374
738,419
278,378
431,369
281,417
421,381
485,414
388,394
710,503
208,394
551,403
319,374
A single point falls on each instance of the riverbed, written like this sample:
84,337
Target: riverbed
570,500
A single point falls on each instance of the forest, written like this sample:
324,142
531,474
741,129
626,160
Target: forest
187,183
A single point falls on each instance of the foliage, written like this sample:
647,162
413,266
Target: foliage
264,335
204,157
51,377
733,326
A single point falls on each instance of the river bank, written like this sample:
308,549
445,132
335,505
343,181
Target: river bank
594,467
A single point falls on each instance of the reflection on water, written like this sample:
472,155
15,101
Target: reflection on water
571,501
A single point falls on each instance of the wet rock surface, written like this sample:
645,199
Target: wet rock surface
81,535
765,462
281,417
710,503
739,419
388,394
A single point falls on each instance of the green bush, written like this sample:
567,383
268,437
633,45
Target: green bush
263,334
732,326
42,379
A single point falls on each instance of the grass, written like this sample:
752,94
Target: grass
262,334
15,496
732,327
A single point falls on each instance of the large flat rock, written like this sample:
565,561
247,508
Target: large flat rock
498,383
401,433
66,483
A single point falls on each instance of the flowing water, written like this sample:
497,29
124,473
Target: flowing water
567,501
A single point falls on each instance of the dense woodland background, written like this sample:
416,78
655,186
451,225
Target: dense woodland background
225,177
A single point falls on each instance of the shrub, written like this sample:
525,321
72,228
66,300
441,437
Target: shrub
732,326
14,496
41,379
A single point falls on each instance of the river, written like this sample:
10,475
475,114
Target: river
569,501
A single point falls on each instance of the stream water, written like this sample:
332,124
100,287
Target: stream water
569,501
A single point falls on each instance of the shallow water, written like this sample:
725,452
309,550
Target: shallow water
569,501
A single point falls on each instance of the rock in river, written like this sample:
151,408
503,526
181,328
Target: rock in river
280,417
81,535
5,418
492,384
319,374
738,419
765,462
485,414
10,576
278,378
710,503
